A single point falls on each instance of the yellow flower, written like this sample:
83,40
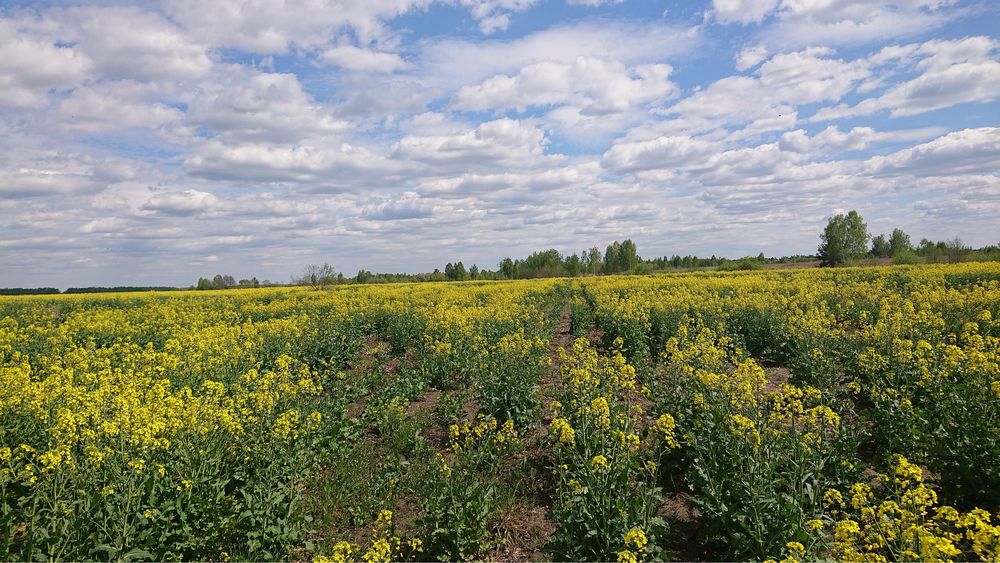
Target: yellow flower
833,498
665,426
601,411
636,538
600,464
626,556
742,426
861,495
561,428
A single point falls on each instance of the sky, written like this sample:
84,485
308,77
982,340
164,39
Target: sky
150,143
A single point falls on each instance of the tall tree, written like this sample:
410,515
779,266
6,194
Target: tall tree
594,259
573,265
611,259
628,257
880,247
899,242
507,269
844,238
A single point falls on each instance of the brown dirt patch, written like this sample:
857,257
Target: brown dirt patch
776,377
521,533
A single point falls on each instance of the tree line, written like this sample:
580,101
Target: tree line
53,290
845,240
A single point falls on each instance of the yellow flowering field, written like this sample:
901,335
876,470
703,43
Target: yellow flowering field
790,415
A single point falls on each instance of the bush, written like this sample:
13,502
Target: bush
906,257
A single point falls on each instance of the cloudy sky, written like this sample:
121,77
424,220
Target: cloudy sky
151,143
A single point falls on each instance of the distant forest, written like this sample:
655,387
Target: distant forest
845,241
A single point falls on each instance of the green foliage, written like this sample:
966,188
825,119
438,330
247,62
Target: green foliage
899,243
745,263
621,257
606,494
462,489
844,238
906,257
881,247
508,382
757,462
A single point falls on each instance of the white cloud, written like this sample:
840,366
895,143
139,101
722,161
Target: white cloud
659,153
969,151
451,64
263,26
42,182
343,167
742,11
596,86
253,106
31,65
494,15
801,23
105,225
409,205
127,42
186,202
355,58
750,57
503,143
953,72
111,106
781,84
830,139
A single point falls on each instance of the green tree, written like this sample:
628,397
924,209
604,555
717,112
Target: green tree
844,238
611,260
593,259
573,265
474,272
628,257
507,269
899,242
880,247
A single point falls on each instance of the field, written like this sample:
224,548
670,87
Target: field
805,414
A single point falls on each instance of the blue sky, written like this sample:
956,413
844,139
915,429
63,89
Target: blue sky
153,143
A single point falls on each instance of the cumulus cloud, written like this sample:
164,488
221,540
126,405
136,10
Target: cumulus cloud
186,202
778,87
494,15
750,57
596,86
742,11
111,106
255,106
506,143
355,58
951,72
127,42
970,151
801,23
31,65
453,63
659,153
